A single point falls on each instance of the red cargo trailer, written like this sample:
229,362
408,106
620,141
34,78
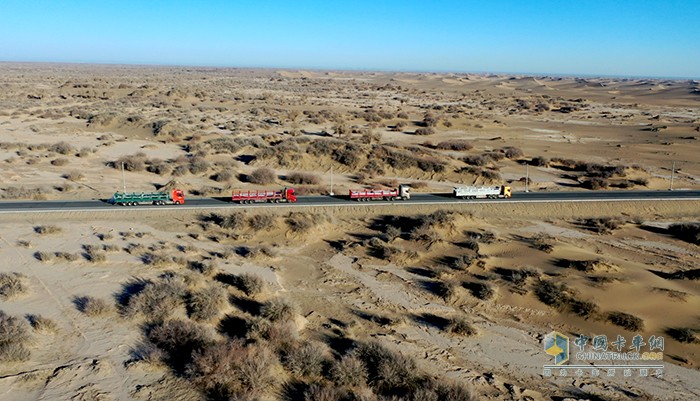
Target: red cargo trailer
285,195
402,192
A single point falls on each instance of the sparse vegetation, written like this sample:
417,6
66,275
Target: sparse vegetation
92,306
689,232
14,338
42,324
683,335
262,176
12,285
278,310
205,304
626,321
304,178
46,230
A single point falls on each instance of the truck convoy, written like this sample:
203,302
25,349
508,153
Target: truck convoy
174,197
501,191
288,195
402,193
285,195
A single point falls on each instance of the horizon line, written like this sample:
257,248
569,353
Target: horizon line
362,70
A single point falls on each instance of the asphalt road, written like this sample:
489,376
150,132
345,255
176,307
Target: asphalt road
327,201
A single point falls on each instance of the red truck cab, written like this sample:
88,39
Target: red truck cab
290,195
178,197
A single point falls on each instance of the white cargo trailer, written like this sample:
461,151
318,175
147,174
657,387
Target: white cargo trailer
500,191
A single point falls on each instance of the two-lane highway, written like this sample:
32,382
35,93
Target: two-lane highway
16,207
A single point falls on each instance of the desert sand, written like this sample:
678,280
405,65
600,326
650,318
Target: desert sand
341,303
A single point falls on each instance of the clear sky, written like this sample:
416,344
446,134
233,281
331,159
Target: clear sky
575,37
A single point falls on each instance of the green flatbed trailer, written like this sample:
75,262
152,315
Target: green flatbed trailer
175,197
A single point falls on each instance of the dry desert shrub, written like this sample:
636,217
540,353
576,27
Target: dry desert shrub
12,285
223,176
689,232
683,335
44,256
206,304
157,259
539,161
304,178
62,147
475,160
233,221
250,284
135,162
61,161
301,222
233,370
543,242
324,392
179,340
42,324
306,359
262,222
511,152
74,176
278,310
389,372
94,254
45,230
455,144
602,225
424,131
349,371
92,306
460,326
481,290
154,300
14,338
262,176
626,321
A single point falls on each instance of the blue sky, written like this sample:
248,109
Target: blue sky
624,38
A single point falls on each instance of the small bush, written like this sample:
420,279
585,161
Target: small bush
262,222
12,285
155,300
307,359
92,306
602,225
304,178
14,336
74,176
424,131
626,321
157,260
42,324
223,176
135,162
250,284
230,370
539,161
481,290
595,183
68,257
278,309
511,152
388,371
349,371
44,256
475,160
206,303
262,176
301,222
45,230
585,309
683,335
61,161
323,392
460,326
179,340
689,232
62,147
455,144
